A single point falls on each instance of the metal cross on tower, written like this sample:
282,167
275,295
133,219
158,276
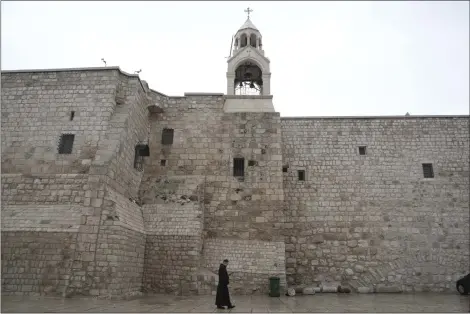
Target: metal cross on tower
248,11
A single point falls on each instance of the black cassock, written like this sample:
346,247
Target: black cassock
223,298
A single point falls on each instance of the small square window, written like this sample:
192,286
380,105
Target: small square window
163,162
362,150
251,163
167,136
72,115
239,167
66,143
301,175
428,172
284,169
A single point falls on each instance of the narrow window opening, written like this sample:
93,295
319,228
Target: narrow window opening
138,160
362,150
301,174
66,143
163,162
284,169
72,115
239,167
167,136
428,172
141,151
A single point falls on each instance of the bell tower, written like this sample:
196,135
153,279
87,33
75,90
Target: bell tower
248,72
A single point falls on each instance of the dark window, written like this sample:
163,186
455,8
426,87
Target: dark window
138,159
362,150
143,149
284,169
72,115
252,163
167,136
301,174
428,171
163,162
239,167
66,143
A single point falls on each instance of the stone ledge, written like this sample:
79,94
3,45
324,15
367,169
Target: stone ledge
378,117
31,229
249,96
203,94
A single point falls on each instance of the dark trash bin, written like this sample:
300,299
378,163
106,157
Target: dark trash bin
274,287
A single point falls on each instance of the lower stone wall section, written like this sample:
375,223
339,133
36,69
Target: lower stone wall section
252,262
119,261
43,188
36,263
171,261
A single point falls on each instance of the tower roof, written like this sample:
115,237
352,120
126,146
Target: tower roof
248,24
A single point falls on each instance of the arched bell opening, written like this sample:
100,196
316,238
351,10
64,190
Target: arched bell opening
243,40
248,79
253,40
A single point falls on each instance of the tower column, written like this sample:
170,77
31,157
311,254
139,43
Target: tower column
266,83
230,83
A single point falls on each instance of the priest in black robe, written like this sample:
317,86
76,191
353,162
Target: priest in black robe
223,298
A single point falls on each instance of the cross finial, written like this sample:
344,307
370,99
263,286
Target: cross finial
248,11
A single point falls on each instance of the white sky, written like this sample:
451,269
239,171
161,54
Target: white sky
327,58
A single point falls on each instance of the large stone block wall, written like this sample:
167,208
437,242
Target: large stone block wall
171,262
173,219
250,207
111,117
370,220
373,219
36,108
120,247
128,126
196,124
43,188
251,262
36,262
38,247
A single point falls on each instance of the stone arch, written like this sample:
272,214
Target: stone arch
249,59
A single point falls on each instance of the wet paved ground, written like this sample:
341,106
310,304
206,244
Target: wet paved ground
424,302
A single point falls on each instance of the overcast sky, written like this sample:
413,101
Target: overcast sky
327,58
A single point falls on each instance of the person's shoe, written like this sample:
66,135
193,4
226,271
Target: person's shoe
221,307
231,306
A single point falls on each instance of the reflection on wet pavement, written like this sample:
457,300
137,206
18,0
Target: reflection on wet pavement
423,302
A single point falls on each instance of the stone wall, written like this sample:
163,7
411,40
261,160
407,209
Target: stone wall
249,207
373,219
43,188
366,220
36,262
251,262
38,245
120,247
110,118
128,126
36,110
173,218
206,140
